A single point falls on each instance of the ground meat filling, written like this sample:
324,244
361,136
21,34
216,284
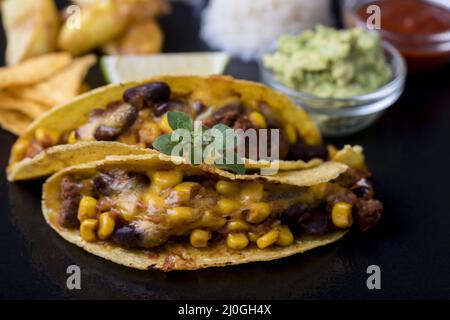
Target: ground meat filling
138,119
302,151
117,181
357,191
69,198
227,115
136,210
34,148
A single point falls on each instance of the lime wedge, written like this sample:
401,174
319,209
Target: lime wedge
133,67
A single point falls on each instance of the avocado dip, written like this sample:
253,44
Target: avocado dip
330,63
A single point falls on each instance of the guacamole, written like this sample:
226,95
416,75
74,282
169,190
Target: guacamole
330,63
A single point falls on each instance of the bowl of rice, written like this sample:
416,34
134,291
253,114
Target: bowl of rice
246,28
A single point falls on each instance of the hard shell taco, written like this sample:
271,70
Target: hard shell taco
145,212
123,119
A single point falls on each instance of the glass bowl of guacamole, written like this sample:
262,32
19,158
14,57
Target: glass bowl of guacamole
345,78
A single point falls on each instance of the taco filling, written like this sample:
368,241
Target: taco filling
141,117
135,209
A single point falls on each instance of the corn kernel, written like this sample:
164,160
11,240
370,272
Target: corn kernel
252,192
185,191
72,138
237,241
46,137
167,179
309,134
181,215
149,132
209,220
258,212
319,190
106,225
20,148
268,239
87,230
227,188
227,206
286,237
199,238
252,236
341,215
258,120
86,209
237,225
164,124
291,133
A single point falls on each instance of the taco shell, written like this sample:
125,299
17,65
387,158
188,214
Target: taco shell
211,90
179,256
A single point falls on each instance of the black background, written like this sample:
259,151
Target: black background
407,149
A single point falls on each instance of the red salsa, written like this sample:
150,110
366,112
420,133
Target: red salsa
411,16
412,26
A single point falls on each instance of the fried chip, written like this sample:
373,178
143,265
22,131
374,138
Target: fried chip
141,38
84,87
60,87
29,108
31,28
14,121
33,70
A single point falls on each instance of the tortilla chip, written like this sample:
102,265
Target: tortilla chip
33,70
14,121
31,27
60,87
177,256
84,87
29,108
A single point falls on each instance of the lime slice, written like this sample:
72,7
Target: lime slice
133,67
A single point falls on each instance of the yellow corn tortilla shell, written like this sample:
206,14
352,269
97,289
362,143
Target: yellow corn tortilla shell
60,157
212,91
29,108
33,70
60,87
281,164
177,256
14,121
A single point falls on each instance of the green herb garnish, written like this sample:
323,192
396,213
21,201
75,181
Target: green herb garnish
189,140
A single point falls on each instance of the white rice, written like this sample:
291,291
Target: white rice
246,28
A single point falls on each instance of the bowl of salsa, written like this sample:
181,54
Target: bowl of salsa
419,29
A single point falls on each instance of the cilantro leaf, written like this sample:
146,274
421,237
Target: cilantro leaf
179,120
164,144
236,168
